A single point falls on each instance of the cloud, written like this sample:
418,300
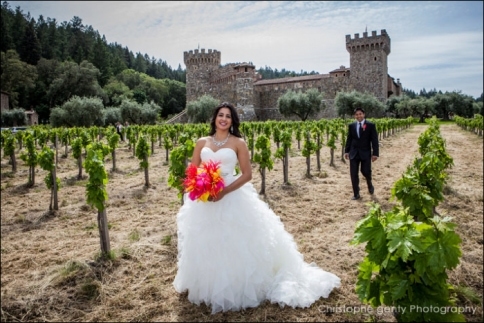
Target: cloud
444,62
434,43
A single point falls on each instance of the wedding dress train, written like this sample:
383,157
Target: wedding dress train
235,253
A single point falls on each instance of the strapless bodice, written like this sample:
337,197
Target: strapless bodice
227,158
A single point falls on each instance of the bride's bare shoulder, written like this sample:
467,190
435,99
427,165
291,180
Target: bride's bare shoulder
202,141
240,143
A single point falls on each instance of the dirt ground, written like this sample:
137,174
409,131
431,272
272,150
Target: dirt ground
48,268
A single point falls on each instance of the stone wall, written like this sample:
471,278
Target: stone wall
394,88
369,62
267,92
256,99
4,101
199,68
32,117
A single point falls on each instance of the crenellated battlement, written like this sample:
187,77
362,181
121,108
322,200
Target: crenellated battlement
233,71
197,57
240,84
373,42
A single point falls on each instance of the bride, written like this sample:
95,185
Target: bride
233,251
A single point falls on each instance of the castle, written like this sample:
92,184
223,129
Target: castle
256,98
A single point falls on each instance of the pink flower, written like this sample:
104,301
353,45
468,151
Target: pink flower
203,182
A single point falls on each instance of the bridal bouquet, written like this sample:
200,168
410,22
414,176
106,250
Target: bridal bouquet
202,182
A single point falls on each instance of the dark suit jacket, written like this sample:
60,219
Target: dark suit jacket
366,145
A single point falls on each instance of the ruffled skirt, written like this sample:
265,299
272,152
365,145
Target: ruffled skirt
235,253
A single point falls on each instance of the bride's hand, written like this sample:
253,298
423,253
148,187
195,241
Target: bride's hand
217,198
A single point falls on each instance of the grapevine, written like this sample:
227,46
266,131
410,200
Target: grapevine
411,248
263,158
178,163
46,162
143,152
96,192
30,157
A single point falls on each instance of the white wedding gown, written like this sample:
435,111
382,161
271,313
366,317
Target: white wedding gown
235,253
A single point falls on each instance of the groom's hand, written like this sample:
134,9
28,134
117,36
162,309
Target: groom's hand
347,155
373,158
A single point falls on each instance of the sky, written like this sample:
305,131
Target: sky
434,44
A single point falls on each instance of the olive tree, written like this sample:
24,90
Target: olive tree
302,105
14,117
347,102
79,112
200,111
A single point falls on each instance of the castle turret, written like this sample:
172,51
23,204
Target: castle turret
199,68
245,75
369,63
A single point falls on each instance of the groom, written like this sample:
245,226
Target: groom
362,149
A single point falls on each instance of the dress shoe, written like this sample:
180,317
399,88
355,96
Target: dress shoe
371,190
356,197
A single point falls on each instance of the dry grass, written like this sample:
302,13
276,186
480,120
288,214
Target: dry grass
48,261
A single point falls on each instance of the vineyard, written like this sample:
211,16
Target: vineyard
51,217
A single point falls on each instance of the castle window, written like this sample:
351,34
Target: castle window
374,58
246,69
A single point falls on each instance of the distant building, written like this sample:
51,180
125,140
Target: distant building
4,101
256,99
32,117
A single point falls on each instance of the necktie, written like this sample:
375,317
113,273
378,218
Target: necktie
359,129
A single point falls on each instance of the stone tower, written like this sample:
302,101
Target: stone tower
199,67
369,63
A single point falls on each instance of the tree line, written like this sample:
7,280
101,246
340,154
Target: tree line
307,105
268,73
44,63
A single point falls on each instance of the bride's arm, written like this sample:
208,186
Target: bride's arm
245,168
196,159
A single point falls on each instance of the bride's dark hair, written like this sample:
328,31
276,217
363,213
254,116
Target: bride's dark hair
234,129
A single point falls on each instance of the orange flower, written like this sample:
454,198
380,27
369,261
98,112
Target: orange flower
203,182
